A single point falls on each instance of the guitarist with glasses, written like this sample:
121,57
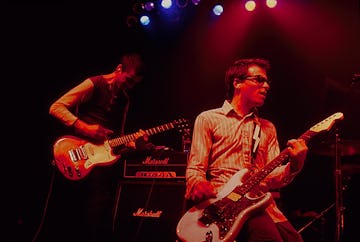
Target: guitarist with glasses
96,110
229,139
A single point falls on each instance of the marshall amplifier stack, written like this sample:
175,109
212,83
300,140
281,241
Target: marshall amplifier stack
150,199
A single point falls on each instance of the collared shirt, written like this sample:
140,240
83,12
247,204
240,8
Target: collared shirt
222,144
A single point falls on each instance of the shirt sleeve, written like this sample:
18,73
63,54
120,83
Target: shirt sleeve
63,108
281,175
199,154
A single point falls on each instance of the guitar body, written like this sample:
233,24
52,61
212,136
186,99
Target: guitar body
226,222
76,157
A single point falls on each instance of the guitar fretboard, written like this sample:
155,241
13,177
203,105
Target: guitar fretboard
326,124
132,137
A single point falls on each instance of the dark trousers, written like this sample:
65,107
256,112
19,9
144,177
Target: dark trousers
262,228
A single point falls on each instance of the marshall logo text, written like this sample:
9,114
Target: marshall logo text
141,212
149,161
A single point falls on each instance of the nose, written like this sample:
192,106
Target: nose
266,85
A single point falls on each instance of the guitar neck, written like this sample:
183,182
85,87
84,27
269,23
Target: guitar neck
266,170
132,137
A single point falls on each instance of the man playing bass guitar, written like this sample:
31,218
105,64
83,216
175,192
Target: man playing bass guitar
233,137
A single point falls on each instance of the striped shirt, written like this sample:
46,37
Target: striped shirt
222,144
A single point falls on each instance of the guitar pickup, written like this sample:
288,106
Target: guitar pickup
78,154
211,214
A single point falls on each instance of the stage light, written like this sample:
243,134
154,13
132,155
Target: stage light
271,3
137,8
250,5
166,4
148,6
144,20
131,21
218,9
196,2
182,3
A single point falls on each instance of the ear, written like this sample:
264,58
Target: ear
118,68
237,84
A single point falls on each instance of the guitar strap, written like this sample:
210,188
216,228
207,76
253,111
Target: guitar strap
122,131
255,140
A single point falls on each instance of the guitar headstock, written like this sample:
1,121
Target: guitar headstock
182,125
327,123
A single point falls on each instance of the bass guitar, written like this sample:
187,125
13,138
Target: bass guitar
221,218
76,157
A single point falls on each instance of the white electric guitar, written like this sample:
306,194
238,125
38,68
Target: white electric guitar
221,218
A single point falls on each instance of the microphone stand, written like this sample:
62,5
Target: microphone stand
319,216
338,192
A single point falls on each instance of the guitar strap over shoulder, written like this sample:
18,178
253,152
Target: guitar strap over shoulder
126,109
255,140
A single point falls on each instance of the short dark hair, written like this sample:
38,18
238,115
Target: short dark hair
134,61
240,68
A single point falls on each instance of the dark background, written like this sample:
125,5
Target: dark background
313,47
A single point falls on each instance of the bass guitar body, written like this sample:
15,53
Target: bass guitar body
220,219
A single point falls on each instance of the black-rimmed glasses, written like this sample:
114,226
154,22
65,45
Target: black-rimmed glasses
257,78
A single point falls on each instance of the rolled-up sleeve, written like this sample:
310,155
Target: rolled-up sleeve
281,175
63,108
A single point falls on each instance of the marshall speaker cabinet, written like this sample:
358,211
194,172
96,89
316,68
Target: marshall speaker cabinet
150,199
148,210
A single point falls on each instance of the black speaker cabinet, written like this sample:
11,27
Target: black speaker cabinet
148,210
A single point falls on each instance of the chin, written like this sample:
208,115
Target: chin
259,103
261,100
